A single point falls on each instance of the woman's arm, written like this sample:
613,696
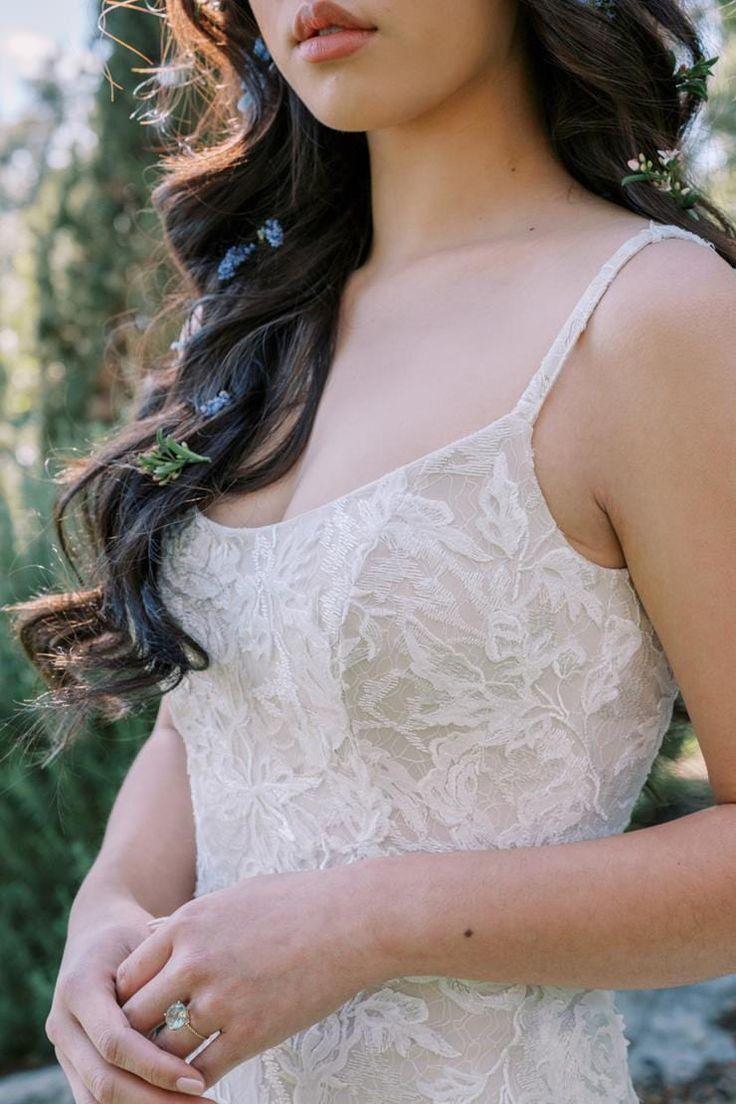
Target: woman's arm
654,907
147,858
646,909
145,866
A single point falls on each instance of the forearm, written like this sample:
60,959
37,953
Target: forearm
102,901
147,856
646,909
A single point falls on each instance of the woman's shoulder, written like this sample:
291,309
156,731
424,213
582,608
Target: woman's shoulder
672,292
675,279
664,329
674,251
675,286
660,347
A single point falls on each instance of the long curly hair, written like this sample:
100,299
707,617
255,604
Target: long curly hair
266,335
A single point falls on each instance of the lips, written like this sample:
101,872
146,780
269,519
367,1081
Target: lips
314,17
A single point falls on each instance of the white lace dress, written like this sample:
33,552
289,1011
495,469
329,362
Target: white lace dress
423,664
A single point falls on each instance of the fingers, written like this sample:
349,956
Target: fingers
181,1040
147,1008
156,922
215,1064
80,1092
143,963
107,1029
95,1081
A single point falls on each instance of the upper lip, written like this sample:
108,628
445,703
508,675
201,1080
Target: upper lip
324,13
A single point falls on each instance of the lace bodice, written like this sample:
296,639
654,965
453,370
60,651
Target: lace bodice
424,663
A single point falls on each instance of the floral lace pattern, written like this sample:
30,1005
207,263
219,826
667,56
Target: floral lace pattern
425,664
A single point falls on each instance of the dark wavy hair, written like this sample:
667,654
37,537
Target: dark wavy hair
607,86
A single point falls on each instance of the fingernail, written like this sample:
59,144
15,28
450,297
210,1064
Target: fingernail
189,1085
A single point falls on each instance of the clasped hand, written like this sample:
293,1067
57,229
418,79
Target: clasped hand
256,962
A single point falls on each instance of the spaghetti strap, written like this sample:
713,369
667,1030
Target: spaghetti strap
533,397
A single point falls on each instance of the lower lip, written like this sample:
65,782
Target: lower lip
331,46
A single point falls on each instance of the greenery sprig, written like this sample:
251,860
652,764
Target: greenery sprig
165,460
693,79
690,79
666,178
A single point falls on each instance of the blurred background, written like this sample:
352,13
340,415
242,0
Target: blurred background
77,287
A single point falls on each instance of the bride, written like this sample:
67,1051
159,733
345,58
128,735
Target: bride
417,531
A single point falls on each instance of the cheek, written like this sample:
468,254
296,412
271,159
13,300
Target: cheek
402,73
264,12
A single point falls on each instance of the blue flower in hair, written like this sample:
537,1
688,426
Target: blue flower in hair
606,7
208,407
245,102
233,258
260,49
272,232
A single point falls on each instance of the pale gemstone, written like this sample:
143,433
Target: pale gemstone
176,1015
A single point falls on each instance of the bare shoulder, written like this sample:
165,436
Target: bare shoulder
666,289
661,347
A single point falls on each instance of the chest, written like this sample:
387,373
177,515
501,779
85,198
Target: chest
404,381
436,548
377,660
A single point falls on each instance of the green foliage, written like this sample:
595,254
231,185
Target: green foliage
75,262
51,825
677,782
51,819
721,113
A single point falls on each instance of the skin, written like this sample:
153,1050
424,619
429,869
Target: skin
471,209
469,204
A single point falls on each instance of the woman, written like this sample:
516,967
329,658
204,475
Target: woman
420,601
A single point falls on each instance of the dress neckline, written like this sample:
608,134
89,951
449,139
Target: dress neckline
526,407
365,488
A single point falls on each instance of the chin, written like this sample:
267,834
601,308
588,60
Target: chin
347,118
344,104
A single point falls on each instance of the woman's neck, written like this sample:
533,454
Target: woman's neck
478,167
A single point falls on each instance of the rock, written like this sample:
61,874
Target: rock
47,1085
674,1032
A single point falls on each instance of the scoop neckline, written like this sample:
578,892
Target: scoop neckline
394,473
217,527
